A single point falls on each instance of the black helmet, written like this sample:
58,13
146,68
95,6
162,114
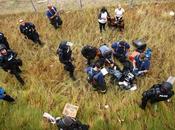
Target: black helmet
1,36
2,46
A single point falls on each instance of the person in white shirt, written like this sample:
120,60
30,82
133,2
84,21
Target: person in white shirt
102,19
119,13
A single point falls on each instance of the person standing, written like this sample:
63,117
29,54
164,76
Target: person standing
102,19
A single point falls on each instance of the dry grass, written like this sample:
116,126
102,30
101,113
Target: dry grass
48,87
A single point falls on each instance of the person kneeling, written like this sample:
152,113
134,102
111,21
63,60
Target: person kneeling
158,92
96,78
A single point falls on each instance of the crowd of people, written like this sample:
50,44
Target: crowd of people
101,61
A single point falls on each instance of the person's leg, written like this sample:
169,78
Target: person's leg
8,98
70,67
100,26
18,77
144,101
104,28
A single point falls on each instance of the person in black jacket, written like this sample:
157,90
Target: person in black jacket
89,52
3,40
158,92
65,56
9,63
29,31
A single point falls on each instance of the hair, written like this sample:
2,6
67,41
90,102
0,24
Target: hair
103,10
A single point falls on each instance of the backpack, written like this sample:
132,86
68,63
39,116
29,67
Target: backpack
88,52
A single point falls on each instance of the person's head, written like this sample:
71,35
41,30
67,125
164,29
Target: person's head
142,57
119,6
103,9
3,50
49,6
21,21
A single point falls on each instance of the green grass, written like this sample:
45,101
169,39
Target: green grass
48,86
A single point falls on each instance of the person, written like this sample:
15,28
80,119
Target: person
66,122
158,92
96,78
4,96
105,55
102,19
9,63
119,21
65,56
54,16
139,45
120,50
141,64
119,12
3,40
29,31
89,52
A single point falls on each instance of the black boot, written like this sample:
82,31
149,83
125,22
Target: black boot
8,98
72,76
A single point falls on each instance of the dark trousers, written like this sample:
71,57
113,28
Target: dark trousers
56,22
34,37
102,27
15,70
68,66
8,98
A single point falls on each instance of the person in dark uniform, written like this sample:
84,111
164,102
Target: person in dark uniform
65,56
29,31
158,92
3,40
9,63
4,96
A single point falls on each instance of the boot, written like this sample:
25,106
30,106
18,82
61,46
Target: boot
72,76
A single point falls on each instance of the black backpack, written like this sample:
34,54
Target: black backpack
89,52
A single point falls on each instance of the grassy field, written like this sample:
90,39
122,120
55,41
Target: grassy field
48,86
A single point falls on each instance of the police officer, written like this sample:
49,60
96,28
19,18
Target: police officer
96,78
158,92
4,96
69,123
29,31
121,50
3,40
65,56
9,63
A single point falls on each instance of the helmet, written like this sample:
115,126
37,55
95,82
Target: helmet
1,36
2,46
